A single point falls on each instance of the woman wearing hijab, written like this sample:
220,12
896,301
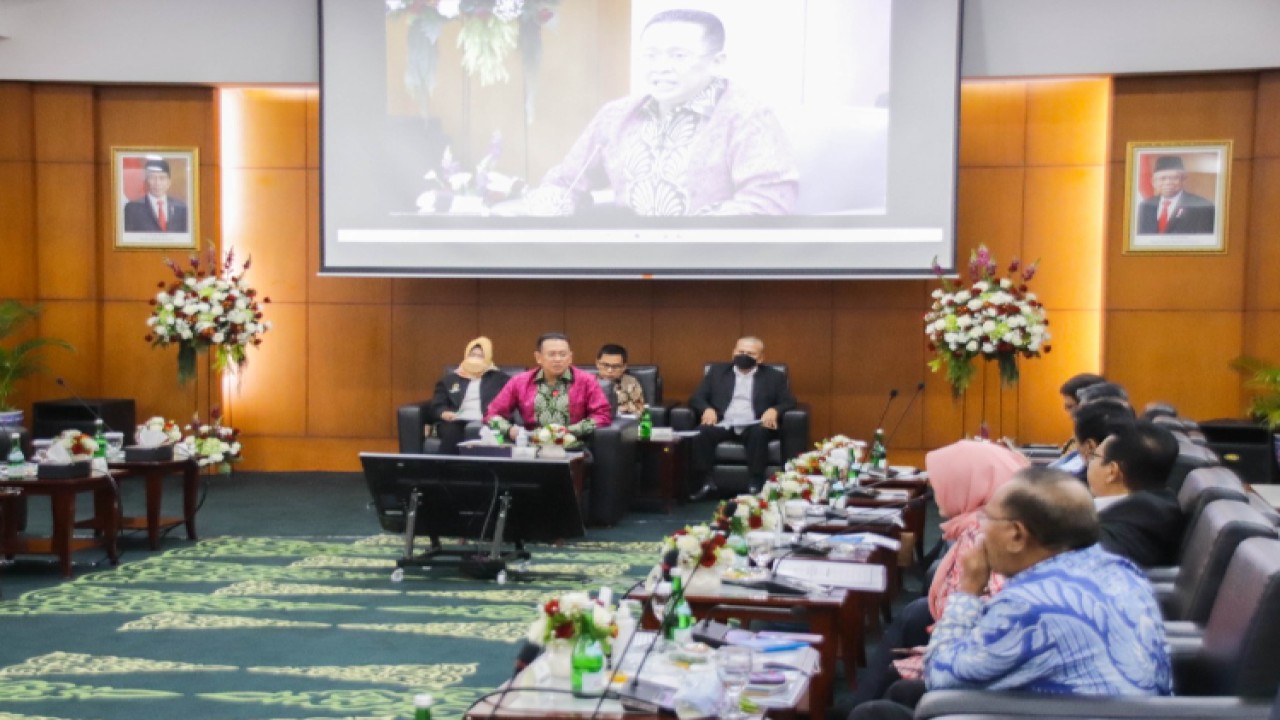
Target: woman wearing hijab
463,394
964,476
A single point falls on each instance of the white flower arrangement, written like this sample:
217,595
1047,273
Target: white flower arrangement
210,444
570,615
746,513
787,486
553,435
994,318
77,444
698,545
171,429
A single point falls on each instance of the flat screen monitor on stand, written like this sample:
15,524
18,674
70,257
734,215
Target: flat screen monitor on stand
495,499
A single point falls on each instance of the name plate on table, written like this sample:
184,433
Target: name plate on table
663,433
483,449
874,516
849,576
137,453
52,471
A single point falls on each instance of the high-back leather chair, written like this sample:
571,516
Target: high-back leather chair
412,420
1205,485
1190,457
1222,526
650,379
730,470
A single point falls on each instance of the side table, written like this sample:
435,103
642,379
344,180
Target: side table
62,499
154,472
664,465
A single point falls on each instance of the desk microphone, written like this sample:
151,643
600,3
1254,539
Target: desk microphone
892,394
63,384
903,416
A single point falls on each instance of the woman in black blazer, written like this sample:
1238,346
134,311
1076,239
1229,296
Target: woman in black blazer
463,394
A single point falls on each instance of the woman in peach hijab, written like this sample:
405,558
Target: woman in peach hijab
964,476
463,394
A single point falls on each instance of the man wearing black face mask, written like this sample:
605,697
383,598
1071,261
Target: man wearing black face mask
743,399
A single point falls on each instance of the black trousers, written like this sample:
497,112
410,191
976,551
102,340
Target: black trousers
902,698
451,433
755,440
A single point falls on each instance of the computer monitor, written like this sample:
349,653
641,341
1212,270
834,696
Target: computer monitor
459,496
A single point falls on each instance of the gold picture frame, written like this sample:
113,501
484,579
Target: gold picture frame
155,197
1176,197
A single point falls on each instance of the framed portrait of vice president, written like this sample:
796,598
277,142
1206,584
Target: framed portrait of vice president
1176,197
155,197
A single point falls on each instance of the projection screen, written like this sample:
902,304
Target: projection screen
616,138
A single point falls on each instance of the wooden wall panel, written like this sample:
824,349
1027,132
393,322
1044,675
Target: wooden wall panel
1262,290
634,294
1076,349
75,321
149,116
1066,237
424,339
1066,122
312,99
1262,335
66,230
1267,132
591,327
63,123
18,229
803,339
422,291
337,454
872,351
514,330
881,294
989,210
131,368
349,371
271,397
272,128
993,124
685,339
1184,107
269,221
1182,357
16,114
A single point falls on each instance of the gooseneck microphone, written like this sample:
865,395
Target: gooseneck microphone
63,384
903,416
892,394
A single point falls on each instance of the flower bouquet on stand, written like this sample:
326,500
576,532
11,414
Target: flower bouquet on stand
995,318
211,444
209,306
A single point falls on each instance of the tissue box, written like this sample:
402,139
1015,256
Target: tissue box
51,471
137,453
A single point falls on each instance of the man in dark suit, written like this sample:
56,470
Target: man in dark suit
1140,517
743,399
156,212
1173,211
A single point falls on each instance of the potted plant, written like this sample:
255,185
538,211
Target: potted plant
18,361
1264,379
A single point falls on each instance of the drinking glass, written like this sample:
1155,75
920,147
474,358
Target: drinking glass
733,665
658,600
760,549
115,445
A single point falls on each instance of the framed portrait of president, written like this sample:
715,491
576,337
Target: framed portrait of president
155,197
1176,197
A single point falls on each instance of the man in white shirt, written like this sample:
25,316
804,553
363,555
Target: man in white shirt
743,400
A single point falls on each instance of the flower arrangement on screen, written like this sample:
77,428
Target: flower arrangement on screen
211,444
995,318
696,545
451,189
490,30
745,513
209,306
570,616
554,435
787,486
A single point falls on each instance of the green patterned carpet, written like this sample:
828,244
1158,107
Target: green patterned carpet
278,628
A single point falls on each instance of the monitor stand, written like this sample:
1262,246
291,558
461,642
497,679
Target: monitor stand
474,564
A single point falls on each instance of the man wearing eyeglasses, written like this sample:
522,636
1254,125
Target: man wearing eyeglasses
611,364
693,144
551,394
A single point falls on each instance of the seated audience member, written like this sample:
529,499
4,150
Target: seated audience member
1104,391
1072,619
744,399
463,394
1070,392
1140,517
1093,423
611,364
551,393
964,476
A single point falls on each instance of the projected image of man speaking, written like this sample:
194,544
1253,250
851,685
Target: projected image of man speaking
693,144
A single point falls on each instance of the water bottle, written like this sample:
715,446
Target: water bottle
587,674
100,438
682,624
879,453
646,424
17,463
422,707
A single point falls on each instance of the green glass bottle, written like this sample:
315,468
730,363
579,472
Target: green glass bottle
673,601
682,624
646,424
586,677
879,453
100,438
17,463
422,707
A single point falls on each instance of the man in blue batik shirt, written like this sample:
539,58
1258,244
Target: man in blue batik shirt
1072,618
